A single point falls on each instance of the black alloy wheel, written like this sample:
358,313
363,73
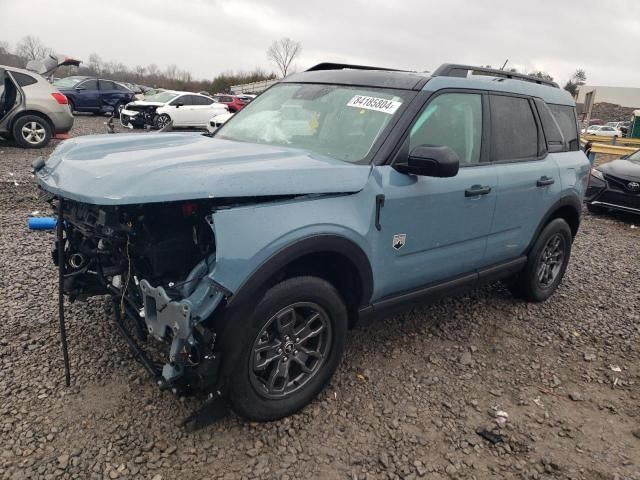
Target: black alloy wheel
290,349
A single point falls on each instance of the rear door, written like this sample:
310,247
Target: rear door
110,95
3,113
87,95
528,178
203,109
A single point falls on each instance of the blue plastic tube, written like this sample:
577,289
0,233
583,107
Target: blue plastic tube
41,223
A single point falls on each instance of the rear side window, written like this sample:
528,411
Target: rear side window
454,120
23,79
107,85
197,100
513,129
552,133
566,118
89,85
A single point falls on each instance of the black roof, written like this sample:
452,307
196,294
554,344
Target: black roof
338,73
363,75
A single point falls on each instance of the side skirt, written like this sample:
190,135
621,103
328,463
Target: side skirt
436,291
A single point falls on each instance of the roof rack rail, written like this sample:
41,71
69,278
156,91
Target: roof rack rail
341,66
454,70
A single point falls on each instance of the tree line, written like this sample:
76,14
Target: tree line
171,77
282,54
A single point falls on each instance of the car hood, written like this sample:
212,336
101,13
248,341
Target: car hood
126,168
145,103
622,168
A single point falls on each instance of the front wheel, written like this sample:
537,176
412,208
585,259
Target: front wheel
291,347
162,121
546,264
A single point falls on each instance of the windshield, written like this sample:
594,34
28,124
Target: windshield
342,122
161,97
68,81
635,156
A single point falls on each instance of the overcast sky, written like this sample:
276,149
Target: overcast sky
208,37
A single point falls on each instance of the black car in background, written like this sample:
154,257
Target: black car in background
94,95
615,186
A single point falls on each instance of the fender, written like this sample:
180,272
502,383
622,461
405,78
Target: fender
313,244
568,201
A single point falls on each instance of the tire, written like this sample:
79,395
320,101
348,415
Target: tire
161,121
31,131
552,248
72,106
282,348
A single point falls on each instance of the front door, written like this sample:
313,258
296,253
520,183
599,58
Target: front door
434,229
88,95
179,110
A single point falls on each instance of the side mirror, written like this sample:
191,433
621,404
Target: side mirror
431,161
179,104
80,88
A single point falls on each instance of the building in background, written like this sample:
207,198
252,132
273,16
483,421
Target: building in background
609,104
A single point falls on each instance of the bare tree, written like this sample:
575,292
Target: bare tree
578,79
542,75
31,48
96,63
282,53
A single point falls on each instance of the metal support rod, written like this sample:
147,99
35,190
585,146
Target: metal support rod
61,262
146,363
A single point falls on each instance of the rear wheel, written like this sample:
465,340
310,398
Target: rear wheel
290,349
72,106
546,263
31,131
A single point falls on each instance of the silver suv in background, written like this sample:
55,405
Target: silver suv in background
31,109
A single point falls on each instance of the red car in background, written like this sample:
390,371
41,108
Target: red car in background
234,103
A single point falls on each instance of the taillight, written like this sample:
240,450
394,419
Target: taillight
60,98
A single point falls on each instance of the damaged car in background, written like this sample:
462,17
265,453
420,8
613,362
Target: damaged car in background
338,193
181,109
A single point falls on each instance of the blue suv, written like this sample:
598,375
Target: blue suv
94,95
340,193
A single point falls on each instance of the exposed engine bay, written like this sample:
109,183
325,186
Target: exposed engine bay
139,116
153,260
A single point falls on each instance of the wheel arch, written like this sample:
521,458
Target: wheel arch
37,113
332,257
568,208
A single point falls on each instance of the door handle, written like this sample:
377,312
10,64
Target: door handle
476,190
545,181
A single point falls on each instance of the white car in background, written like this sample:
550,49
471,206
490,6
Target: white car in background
183,109
603,131
217,121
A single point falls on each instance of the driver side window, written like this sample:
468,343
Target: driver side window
180,100
454,120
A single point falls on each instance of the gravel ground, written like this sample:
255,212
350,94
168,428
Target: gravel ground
407,401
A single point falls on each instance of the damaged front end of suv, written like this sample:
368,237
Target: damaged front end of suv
174,226
154,261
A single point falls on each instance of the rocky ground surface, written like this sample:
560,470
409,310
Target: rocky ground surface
556,384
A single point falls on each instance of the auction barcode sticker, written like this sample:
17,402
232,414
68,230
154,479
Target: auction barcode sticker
373,103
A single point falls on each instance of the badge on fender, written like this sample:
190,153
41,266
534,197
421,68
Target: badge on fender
399,240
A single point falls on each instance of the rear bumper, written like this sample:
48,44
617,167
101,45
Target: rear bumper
62,121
